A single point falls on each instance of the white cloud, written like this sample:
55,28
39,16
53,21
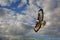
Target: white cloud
3,2
6,2
52,15
8,21
11,25
51,11
22,3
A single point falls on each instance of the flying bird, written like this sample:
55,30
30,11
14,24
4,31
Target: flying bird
40,20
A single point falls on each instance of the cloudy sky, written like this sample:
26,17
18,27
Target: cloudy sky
18,18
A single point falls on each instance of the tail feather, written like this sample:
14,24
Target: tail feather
43,23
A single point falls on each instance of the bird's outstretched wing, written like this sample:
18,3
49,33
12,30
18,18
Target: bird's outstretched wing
40,20
38,26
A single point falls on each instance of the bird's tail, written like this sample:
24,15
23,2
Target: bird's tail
43,23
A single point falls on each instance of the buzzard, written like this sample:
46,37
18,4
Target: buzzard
39,20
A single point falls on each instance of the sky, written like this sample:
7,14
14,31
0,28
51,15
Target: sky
18,18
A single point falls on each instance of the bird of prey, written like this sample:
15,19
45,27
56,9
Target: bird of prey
39,20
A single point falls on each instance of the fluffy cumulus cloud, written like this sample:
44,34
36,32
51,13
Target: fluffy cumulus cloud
52,14
7,2
11,25
51,10
22,3
14,27
3,2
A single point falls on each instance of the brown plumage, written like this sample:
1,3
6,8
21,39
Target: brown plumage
40,20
